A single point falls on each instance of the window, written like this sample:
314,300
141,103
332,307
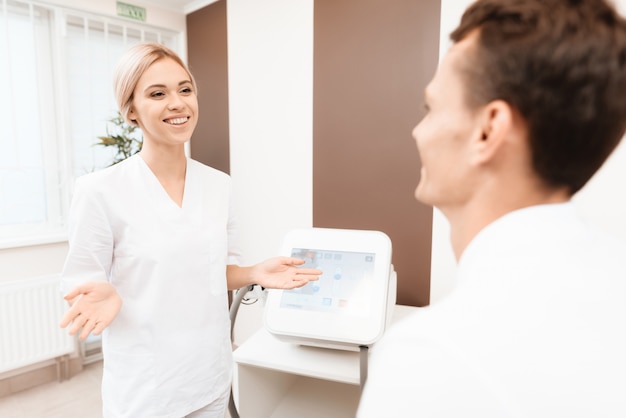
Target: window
25,202
56,70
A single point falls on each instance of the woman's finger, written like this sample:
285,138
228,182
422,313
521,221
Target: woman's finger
308,271
78,322
98,328
87,328
67,318
294,261
77,291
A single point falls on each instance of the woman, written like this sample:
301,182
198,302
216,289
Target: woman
153,252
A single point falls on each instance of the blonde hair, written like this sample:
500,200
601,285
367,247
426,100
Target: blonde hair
131,67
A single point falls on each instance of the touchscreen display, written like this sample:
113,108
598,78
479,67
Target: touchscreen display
345,286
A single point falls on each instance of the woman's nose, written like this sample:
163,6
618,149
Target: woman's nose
175,102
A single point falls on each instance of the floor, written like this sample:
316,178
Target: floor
78,397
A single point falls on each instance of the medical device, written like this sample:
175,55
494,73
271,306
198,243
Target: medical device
350,305
348,308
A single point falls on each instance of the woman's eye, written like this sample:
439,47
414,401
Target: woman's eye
156,94
186,90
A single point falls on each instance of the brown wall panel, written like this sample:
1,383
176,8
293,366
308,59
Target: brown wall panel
372,61
208,61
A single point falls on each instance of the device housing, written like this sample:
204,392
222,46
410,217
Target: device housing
351,304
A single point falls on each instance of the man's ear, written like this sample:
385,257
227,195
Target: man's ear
494,125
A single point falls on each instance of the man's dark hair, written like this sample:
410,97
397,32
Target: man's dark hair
562,65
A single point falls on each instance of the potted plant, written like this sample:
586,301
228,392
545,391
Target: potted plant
127,139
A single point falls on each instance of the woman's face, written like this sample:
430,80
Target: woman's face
165,104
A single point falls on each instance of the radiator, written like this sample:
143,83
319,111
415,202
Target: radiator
30,312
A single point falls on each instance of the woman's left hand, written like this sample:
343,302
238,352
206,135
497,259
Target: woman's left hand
283,273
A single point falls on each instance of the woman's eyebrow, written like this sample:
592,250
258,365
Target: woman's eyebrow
163,85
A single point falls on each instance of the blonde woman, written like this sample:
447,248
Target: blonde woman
153,252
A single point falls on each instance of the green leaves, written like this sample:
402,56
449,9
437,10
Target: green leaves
127,139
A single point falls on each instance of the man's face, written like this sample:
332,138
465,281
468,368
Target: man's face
443,135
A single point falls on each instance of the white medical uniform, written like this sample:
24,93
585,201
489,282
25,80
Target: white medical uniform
168,351
535,328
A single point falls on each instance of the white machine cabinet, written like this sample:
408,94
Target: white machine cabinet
276,379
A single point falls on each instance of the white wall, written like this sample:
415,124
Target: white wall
270,59
154,15
443,264
602,201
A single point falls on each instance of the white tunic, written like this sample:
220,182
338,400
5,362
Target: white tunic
168,351
535,328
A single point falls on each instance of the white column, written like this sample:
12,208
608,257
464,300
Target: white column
270,58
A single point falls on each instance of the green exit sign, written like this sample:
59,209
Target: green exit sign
131,11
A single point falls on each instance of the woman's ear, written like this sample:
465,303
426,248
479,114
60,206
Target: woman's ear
495,124
132,117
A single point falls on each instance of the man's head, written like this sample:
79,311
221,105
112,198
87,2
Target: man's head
561,64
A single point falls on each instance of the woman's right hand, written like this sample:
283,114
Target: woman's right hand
94,305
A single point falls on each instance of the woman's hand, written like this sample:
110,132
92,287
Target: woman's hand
283,273
94,305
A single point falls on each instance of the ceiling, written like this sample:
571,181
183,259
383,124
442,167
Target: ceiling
180,6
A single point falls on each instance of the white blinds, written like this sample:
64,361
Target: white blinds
24,40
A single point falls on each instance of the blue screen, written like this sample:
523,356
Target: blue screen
344,287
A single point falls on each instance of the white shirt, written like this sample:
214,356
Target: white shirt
168,351
535,328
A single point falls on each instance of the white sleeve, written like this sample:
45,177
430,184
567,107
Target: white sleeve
234,250
90,239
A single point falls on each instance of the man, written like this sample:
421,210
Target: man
526,106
